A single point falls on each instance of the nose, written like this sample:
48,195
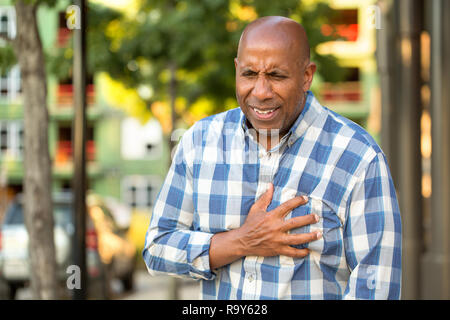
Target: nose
262,89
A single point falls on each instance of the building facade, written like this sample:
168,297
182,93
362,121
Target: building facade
125,159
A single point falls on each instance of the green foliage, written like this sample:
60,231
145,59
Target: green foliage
7,59
50,3
99,57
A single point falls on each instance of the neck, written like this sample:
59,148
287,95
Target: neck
268,139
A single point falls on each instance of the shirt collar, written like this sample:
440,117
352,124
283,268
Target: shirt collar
304,121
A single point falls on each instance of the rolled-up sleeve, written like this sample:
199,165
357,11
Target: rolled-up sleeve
171,245
372,235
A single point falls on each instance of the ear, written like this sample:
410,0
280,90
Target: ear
235,62
309,75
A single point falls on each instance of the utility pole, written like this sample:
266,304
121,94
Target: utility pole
79,155
410,171
387,63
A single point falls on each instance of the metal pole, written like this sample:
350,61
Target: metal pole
436,262
79,155
410,168
386,63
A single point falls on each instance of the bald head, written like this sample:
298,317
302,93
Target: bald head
280,29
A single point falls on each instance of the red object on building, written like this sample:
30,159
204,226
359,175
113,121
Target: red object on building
64,151
348,32
65,94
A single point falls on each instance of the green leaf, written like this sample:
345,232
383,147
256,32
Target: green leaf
7,59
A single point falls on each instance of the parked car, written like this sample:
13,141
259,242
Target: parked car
116,249
109,254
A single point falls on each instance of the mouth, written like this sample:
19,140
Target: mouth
264,113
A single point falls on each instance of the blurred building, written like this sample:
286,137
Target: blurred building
126,160
413,50
357,95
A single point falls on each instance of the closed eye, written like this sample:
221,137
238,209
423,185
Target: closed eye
276,75
249,73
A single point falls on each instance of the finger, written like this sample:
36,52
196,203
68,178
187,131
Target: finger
301,221
283,209
263,202
301,238
294,253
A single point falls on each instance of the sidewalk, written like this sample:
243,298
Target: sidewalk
149,287
146,287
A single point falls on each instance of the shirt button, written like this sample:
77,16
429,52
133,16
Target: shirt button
250,277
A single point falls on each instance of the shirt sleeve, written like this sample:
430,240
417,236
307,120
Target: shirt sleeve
171,245
372,235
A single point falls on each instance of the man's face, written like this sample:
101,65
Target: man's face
271,81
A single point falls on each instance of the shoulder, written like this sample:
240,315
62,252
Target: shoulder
209,131
217,123
350,147
233,116
348,128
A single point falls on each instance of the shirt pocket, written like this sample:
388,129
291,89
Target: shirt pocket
329,247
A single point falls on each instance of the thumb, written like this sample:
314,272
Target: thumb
266,198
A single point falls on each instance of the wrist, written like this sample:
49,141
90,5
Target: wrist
237,236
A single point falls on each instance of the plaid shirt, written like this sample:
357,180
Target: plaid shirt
218,172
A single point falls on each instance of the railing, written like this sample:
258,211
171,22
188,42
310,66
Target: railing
348,32
64,96
64,151
341,92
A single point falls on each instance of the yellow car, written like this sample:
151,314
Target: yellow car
116,250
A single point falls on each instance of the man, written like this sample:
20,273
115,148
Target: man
280,198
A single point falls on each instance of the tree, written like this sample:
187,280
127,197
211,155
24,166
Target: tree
38,215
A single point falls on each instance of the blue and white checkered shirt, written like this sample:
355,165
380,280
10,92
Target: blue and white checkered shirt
218,172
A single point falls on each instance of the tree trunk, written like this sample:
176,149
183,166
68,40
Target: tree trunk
37,165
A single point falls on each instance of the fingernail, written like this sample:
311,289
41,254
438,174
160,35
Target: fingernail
319,234
305,198
316,217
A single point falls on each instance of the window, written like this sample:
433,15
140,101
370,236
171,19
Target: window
11,139
10,86
64,33
4,25
140,192
3,139
64,95
8,22
64,148
343,25
139,141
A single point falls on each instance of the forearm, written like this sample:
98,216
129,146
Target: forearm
178,252
374,256
226,247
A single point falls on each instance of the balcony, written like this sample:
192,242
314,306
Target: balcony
64,152
64,95
64,35
341,92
